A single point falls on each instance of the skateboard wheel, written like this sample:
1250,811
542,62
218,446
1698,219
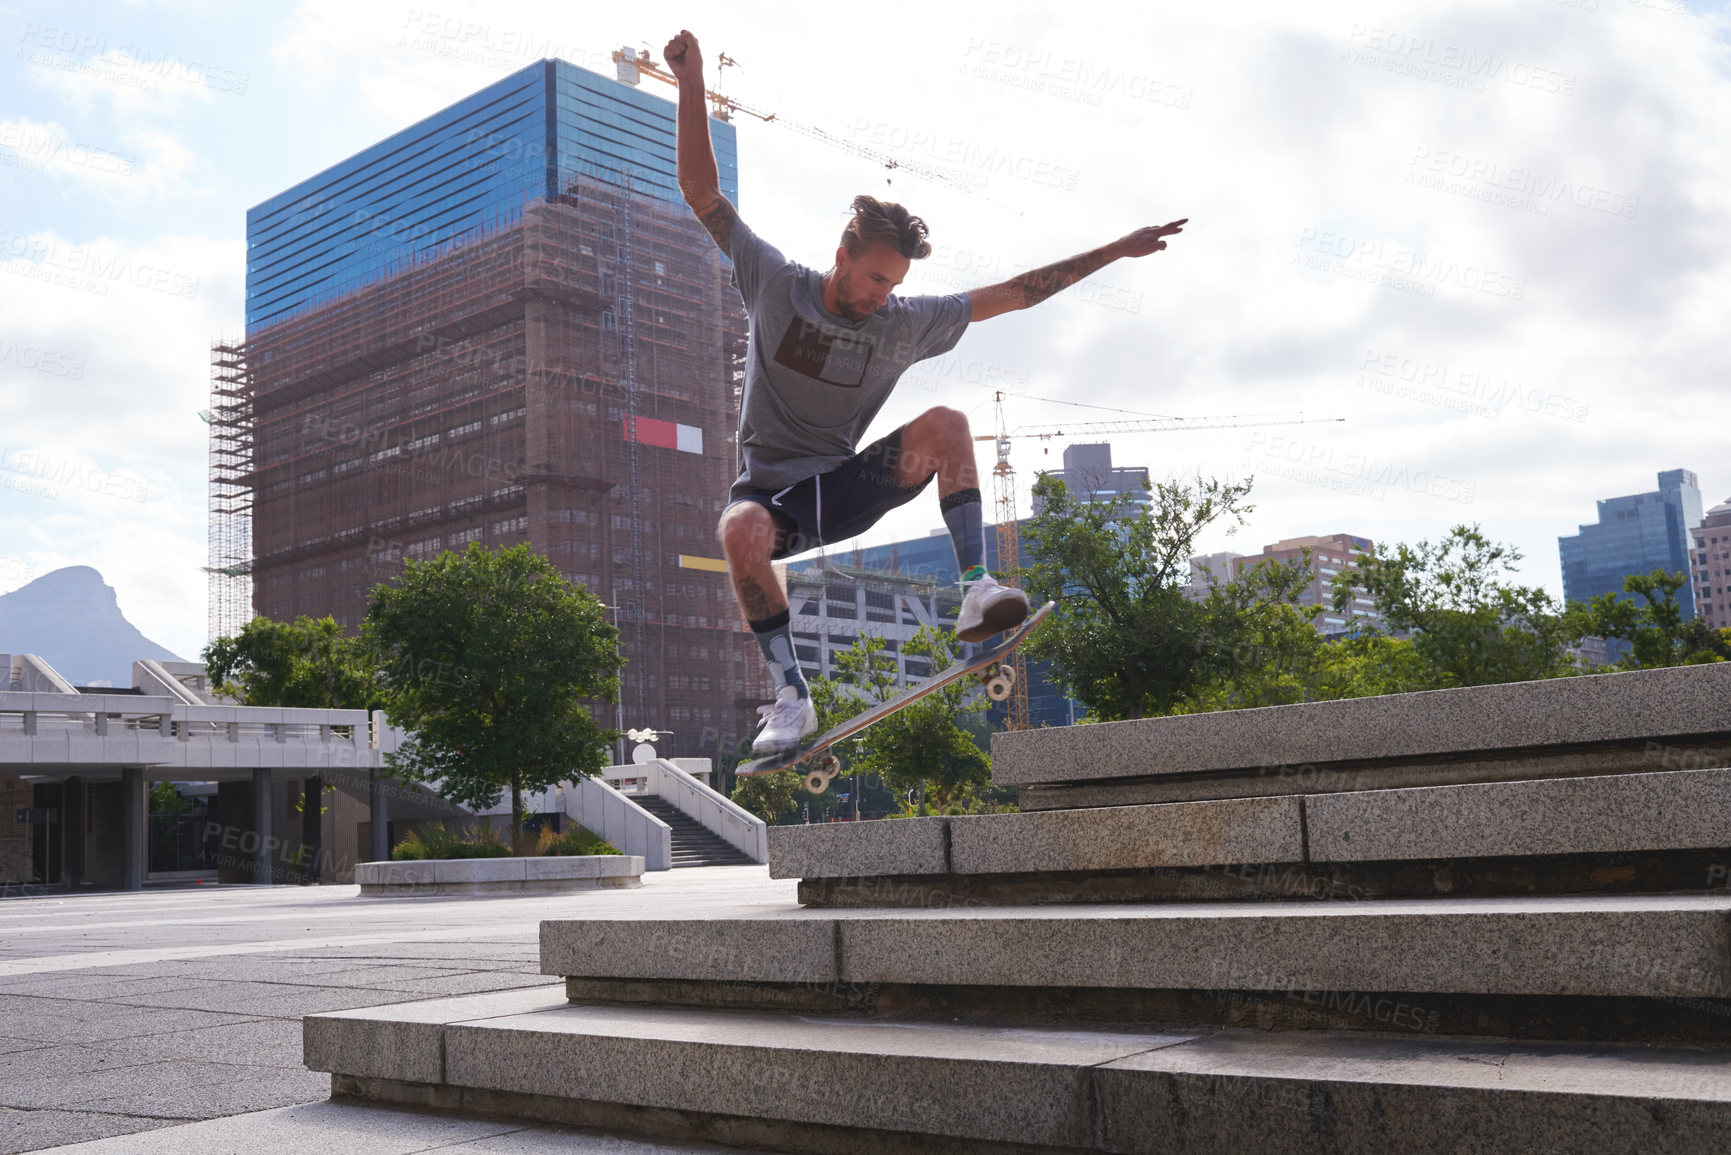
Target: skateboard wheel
817,782
829,766
1008,672
998,689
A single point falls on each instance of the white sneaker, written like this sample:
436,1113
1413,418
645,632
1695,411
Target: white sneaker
787,722
988,608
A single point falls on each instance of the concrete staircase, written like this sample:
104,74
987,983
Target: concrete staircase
693,843
1493,919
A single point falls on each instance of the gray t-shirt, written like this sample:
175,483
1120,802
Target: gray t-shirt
813,381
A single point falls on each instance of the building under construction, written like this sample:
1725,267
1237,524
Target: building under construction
498,326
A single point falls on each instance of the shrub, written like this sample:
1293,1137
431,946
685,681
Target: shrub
410,849
574,841
435,840
431,840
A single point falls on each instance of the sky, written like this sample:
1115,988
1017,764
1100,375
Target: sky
1493,236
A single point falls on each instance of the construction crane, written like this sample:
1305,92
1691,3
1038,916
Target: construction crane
1004,497
722,107
1158,424
1009,561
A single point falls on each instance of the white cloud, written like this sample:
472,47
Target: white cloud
152,162
1248,120
104,363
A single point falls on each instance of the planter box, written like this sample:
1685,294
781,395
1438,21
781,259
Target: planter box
550,875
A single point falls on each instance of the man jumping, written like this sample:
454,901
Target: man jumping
825,351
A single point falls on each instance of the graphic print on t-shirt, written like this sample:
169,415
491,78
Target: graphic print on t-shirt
835,359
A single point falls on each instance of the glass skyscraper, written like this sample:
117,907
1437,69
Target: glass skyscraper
1635,535
472,166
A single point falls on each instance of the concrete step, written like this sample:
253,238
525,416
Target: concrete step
1657,831
1630,947
1677,718
797,1083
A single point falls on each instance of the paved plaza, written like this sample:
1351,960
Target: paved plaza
178,1012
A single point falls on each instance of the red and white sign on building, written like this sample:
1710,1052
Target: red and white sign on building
665,434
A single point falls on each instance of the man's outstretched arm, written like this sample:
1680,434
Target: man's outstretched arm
699,180
1028,289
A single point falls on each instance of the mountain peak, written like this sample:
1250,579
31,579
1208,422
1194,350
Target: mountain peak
71,618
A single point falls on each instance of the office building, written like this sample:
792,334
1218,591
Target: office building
1089,475
1636,534
1710,563
1329,556
1209,570
835,600
467,170
832,607
499,325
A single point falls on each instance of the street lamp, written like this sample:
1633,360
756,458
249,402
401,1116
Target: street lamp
619,702
858,753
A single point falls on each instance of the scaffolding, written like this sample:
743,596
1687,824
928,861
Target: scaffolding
567,377
229,557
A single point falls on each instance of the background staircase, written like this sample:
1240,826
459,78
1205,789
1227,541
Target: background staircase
693,845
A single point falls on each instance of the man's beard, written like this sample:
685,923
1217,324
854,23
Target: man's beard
851,309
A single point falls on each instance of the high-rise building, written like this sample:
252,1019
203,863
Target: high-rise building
1636,534
1329,556
1089,476
1710,560
468,169
1209,570
499,325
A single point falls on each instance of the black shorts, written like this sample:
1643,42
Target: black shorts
843,503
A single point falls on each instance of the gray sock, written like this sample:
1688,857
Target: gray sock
775,638
964,514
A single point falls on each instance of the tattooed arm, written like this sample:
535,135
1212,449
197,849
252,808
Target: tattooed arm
699,179
1028,289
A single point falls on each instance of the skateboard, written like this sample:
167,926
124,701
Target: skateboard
999,681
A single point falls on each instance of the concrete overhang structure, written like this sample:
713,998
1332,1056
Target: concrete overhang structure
96,748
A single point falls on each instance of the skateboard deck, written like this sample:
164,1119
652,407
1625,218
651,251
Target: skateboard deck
997,686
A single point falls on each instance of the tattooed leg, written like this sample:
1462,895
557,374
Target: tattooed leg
747,533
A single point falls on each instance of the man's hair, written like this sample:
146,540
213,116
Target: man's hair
878,222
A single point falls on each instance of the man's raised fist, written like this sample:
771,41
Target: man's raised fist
683,57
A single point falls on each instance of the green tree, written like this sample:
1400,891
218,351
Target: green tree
1125,639
1279,657
488,658
1652,624
769,796
926,745
1366,665
307,663
1268,650
165,799
1470,625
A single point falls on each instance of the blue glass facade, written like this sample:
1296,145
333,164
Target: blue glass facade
469,167
1635,535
